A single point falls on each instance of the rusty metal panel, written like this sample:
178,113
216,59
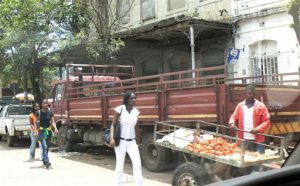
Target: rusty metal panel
221,104
85,108
148,105
112,102
192,103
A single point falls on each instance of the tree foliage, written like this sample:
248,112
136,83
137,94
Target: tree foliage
31,33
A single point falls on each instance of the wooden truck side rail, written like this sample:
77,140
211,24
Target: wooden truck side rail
159,97
174,80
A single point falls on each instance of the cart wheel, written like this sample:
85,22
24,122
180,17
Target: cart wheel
190,174
155,158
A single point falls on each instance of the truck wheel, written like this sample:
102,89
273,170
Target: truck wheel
63,142
10,140
155,158
190,174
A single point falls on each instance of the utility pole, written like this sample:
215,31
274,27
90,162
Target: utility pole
192,43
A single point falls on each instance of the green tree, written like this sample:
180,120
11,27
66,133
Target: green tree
31,34
294,11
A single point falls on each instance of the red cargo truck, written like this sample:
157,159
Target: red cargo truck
83,103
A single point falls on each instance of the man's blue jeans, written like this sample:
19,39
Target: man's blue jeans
254,147
45,144
32,145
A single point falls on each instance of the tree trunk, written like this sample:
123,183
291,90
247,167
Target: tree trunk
294,12
35,80
25,83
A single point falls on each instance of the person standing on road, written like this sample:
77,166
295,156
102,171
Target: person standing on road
33,128
127,114
45,125
252,116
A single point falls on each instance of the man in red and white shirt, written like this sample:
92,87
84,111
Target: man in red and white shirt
252,116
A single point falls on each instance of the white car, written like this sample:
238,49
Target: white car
14,122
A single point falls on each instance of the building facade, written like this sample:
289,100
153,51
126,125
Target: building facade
263,31
171,35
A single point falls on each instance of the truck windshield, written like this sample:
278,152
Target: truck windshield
18,110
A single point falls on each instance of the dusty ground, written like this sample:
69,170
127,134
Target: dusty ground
92,167
105,158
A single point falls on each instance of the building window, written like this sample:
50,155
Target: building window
175,4
180,63
123,11
263,60
211,58
264,65
148,9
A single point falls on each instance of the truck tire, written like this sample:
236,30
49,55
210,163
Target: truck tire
63,142
10,140
191,174
155,158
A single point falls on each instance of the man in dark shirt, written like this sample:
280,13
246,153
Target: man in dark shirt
46,125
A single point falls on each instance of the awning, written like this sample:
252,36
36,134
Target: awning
174,27
21,96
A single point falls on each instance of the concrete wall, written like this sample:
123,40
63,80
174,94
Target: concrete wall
207,10
242,7
166,56
273,28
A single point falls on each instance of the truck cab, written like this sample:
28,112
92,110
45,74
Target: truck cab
77,102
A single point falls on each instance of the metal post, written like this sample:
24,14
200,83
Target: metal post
299,75
281,152
1,89
192,42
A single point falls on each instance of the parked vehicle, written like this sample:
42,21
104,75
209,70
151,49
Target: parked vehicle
83,103
14,122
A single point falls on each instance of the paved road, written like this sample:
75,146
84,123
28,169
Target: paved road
69,169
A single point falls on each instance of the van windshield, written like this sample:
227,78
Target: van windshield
18,110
